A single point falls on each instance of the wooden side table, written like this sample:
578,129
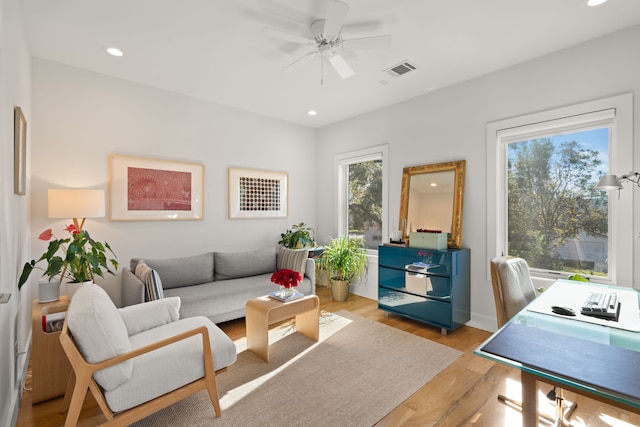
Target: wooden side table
264,311
50,367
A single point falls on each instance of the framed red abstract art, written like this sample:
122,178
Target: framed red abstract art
151,189
257,194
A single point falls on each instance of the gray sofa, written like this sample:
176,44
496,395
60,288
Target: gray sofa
218,285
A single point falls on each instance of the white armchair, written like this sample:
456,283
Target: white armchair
138,359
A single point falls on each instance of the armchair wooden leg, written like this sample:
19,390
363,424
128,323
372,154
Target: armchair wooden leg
212,388
210,374
68,392
77,400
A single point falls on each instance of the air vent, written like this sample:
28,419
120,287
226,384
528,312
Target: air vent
401,69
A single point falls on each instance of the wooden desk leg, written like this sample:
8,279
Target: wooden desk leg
529,400
258,332
308,323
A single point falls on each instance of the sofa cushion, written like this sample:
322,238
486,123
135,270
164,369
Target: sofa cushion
292,259
151,280
185,271
231,265
99,333
226,299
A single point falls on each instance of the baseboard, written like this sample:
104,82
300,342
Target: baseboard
17,394
485,323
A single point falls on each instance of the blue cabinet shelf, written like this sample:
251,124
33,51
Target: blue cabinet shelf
427,285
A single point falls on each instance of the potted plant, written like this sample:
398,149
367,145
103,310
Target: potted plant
300,236
82,258
345,257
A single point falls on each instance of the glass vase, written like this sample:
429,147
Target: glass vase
285,292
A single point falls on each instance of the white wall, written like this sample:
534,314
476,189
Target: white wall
15,316
450,124
81,117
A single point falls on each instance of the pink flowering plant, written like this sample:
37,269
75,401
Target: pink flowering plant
286,278
80,260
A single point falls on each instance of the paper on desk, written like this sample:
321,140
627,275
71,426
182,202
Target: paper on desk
572,294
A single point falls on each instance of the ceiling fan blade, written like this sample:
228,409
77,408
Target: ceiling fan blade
336,13
288,36
308,55
340,65
375,42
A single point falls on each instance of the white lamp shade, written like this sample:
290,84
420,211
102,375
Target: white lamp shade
609,182
74,203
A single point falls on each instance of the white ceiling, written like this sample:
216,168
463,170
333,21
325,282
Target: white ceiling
215,50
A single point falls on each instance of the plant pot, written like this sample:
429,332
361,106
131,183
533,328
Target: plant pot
48,291
339,290
72,287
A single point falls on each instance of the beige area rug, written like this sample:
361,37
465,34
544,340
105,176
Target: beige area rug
358,373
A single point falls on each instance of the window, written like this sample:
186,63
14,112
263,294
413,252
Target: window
362,195
556,219
542,202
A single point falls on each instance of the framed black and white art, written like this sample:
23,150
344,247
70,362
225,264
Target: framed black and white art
257,194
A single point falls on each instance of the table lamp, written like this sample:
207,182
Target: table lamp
78,204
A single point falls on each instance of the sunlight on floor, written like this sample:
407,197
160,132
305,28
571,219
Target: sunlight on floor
513,416
614,422
330,323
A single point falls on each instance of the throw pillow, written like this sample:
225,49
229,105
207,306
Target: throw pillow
293,259
151,280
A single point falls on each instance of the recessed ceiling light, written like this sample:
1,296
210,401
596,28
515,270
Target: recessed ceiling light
595,2
114,51
312,112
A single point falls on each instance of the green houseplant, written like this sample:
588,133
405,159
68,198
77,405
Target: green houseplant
80,260
298,237
345,258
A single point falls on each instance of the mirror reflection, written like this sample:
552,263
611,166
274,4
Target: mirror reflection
431,199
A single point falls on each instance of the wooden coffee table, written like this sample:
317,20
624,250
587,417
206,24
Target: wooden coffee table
265,311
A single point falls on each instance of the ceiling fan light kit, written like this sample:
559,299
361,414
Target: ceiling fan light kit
327,42
340,65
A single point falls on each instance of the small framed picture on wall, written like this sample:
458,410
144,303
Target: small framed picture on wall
257,194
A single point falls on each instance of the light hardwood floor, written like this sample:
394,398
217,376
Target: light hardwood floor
464,394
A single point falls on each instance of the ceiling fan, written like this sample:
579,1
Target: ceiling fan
327,42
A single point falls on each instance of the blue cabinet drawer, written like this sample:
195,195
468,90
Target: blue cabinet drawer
428,285
441,262
413,282
420,308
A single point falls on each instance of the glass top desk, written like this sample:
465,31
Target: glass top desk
595,357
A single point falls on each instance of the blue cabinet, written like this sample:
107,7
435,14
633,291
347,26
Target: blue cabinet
427,285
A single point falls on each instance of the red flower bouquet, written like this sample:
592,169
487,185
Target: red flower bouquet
286,278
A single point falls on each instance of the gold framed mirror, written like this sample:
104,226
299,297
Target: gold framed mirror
431,199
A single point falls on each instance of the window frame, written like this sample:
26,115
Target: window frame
342,161
501,132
